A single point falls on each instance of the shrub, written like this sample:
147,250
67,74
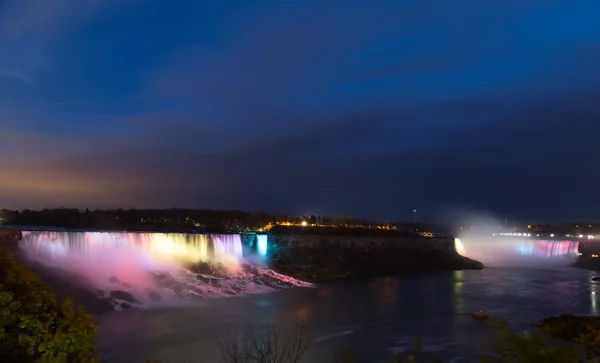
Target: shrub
266,345
508,346
34,327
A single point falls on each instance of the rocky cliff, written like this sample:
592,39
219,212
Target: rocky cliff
588,259
327,257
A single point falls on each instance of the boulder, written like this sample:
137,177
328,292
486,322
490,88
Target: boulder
123,295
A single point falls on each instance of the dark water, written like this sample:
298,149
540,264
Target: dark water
374,317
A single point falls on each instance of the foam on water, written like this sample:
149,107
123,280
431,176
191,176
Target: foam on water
154,268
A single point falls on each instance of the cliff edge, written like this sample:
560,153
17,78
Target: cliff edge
322,257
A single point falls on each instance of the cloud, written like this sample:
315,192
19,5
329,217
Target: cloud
298,109
405,51
29,29
528,158
14,75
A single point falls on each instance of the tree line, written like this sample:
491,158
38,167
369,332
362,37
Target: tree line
184,220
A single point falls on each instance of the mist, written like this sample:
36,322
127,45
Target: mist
155,269
482,237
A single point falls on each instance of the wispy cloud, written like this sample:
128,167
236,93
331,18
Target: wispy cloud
334,166
29,28
13,74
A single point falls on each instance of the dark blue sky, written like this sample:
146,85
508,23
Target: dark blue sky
368,108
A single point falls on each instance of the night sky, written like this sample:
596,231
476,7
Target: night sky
365,108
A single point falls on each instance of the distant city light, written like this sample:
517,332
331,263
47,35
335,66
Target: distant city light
304,223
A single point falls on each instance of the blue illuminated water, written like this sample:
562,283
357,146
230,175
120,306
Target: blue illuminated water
262,242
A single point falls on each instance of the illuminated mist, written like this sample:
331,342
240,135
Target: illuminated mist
500,251
155,263
480,240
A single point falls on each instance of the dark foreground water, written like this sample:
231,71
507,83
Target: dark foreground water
375,317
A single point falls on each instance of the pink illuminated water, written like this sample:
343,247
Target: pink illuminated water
510,251
132,262
228,245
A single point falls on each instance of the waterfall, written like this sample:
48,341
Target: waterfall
146,269
262,243
159,246
507,251
228,245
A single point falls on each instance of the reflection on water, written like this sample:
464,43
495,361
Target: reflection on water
374,316
302,314
457,292
386,290
594,295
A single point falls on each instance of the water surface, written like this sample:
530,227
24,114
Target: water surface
374,316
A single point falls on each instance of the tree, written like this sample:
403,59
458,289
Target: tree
34,327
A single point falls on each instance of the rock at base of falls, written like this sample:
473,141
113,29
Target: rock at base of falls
123,295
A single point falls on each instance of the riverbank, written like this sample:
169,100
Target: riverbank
35,326
9,239
64,285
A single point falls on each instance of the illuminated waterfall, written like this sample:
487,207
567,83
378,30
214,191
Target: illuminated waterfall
160,246
506,251
154,268
262,244
228,245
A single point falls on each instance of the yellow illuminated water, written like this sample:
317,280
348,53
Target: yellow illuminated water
151,246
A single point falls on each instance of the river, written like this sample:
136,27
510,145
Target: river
373,316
